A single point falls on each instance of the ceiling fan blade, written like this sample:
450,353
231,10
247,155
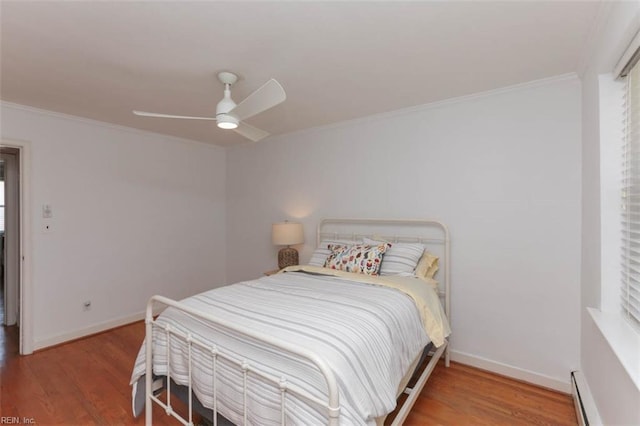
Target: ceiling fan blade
251,132
154,114
269,95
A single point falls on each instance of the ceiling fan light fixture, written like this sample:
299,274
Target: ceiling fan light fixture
227,126
227,121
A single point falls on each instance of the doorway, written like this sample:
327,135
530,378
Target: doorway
10,238
15,157
2,242
11,235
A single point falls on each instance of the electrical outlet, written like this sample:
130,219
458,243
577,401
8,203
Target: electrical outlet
86,306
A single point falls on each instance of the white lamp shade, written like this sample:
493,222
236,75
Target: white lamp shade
287,234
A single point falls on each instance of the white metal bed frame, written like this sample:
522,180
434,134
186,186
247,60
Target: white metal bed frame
369,228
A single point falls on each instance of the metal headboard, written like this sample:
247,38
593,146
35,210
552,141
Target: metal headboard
433,234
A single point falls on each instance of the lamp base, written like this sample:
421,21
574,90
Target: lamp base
287,257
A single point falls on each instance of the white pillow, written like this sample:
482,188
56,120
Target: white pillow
400,258
321,254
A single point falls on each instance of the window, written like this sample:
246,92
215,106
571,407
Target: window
630,288
619,173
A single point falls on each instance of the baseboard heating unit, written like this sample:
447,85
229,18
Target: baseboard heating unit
586,410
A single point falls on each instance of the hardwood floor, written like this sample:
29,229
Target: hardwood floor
87,382
463,395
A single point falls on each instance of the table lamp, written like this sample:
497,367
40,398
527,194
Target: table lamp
287,234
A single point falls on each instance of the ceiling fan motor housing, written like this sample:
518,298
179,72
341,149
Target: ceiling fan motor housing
226,104
224,119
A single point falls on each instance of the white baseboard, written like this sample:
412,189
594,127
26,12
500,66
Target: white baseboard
513,372
83,332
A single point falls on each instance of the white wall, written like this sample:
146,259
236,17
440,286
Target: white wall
616,396
134,214
501,169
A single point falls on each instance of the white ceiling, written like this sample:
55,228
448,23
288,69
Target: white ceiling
336,60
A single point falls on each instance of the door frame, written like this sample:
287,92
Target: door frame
26,285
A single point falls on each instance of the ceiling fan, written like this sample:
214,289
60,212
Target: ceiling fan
229,115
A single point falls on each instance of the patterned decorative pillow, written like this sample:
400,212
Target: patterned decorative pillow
360,258
320,255
400,258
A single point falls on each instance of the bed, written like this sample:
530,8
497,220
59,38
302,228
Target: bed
313,344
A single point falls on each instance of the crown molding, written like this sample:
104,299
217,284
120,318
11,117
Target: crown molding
92,122
433,105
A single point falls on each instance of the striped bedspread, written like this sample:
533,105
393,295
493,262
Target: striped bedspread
368,334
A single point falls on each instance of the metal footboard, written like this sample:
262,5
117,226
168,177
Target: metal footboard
332,403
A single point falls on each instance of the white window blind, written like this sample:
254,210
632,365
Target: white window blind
630,291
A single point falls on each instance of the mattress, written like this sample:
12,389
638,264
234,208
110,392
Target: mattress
369,334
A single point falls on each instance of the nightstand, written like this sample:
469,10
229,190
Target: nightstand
274,271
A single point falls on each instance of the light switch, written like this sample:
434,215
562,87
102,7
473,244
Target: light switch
47,213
